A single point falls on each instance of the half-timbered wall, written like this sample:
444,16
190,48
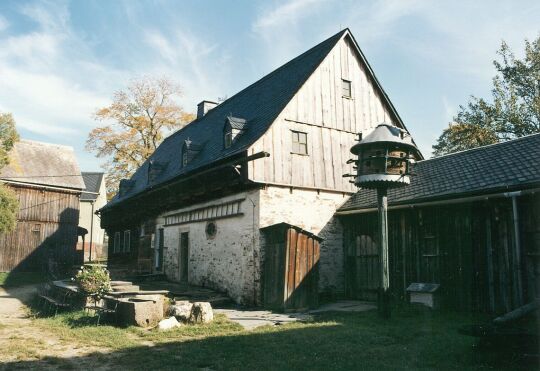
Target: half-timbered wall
331,122
46,229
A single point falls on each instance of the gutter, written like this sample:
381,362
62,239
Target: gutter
445,202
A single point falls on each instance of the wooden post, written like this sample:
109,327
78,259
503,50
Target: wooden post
384,289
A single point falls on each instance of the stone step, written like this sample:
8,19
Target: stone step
121,283
126,288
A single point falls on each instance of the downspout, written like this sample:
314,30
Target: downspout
91,231
517,241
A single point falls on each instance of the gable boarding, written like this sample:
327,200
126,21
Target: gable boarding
330,120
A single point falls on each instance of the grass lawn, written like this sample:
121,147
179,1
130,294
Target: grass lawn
14,279
414,338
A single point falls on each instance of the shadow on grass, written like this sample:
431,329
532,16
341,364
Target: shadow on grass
412,339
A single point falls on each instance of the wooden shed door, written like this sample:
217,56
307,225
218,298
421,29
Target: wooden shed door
301,273
363,268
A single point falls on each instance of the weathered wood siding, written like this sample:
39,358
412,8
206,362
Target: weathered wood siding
291,268
46,229
469,249
331,122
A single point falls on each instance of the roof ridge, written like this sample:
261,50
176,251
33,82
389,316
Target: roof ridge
31,141
482,147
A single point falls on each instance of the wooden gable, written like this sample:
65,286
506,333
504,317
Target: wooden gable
340,99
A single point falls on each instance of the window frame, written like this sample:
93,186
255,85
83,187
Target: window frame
126,246
346,83
116,244
228,139
297,143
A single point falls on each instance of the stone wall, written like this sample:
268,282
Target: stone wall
313,211
228,262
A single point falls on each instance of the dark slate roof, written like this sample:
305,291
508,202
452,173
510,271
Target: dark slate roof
47,164
495,168
259,104
92,182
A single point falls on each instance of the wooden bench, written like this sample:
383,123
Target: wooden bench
103,310
54,298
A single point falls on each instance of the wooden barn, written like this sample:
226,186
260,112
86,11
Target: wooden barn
273,153
47,181
469,221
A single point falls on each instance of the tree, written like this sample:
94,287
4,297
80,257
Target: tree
8,200
514,112
140,117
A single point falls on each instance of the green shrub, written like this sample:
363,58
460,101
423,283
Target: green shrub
94,280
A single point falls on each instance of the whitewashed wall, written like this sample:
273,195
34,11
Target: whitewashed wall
230,261
313,211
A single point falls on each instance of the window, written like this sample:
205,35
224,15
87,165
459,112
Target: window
185,159
346,88
127,241
211,230
299,143
116,247
228,139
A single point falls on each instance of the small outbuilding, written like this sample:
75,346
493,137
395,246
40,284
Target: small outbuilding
291,267
468,221
47,181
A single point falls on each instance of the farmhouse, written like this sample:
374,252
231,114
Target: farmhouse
46,179
469,222
260,172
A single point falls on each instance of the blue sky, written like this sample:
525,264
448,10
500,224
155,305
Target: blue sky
61,60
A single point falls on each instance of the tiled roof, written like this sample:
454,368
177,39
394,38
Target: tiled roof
259,104
504,166
92,181
41,163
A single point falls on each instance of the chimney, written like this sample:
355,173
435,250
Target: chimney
204,107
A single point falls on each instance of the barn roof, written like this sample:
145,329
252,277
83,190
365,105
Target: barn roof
92,182
502,167
45,164
254,109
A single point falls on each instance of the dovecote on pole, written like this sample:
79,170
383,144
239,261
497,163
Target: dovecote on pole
384,159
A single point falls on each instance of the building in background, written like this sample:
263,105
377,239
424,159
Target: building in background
47,181
93,198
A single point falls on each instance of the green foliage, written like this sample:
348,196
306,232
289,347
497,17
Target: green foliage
8,137
8,209
8,200
94,280
513,113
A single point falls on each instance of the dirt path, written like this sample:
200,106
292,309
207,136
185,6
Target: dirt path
21,341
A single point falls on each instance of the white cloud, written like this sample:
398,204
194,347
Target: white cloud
4,24
288,12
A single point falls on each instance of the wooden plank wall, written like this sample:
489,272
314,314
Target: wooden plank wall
46,228
331,122
290,277
469,249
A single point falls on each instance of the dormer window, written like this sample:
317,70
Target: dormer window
155,169
190,150
233,128
228,139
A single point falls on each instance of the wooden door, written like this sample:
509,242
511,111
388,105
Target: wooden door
363,268
184,256
301,273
